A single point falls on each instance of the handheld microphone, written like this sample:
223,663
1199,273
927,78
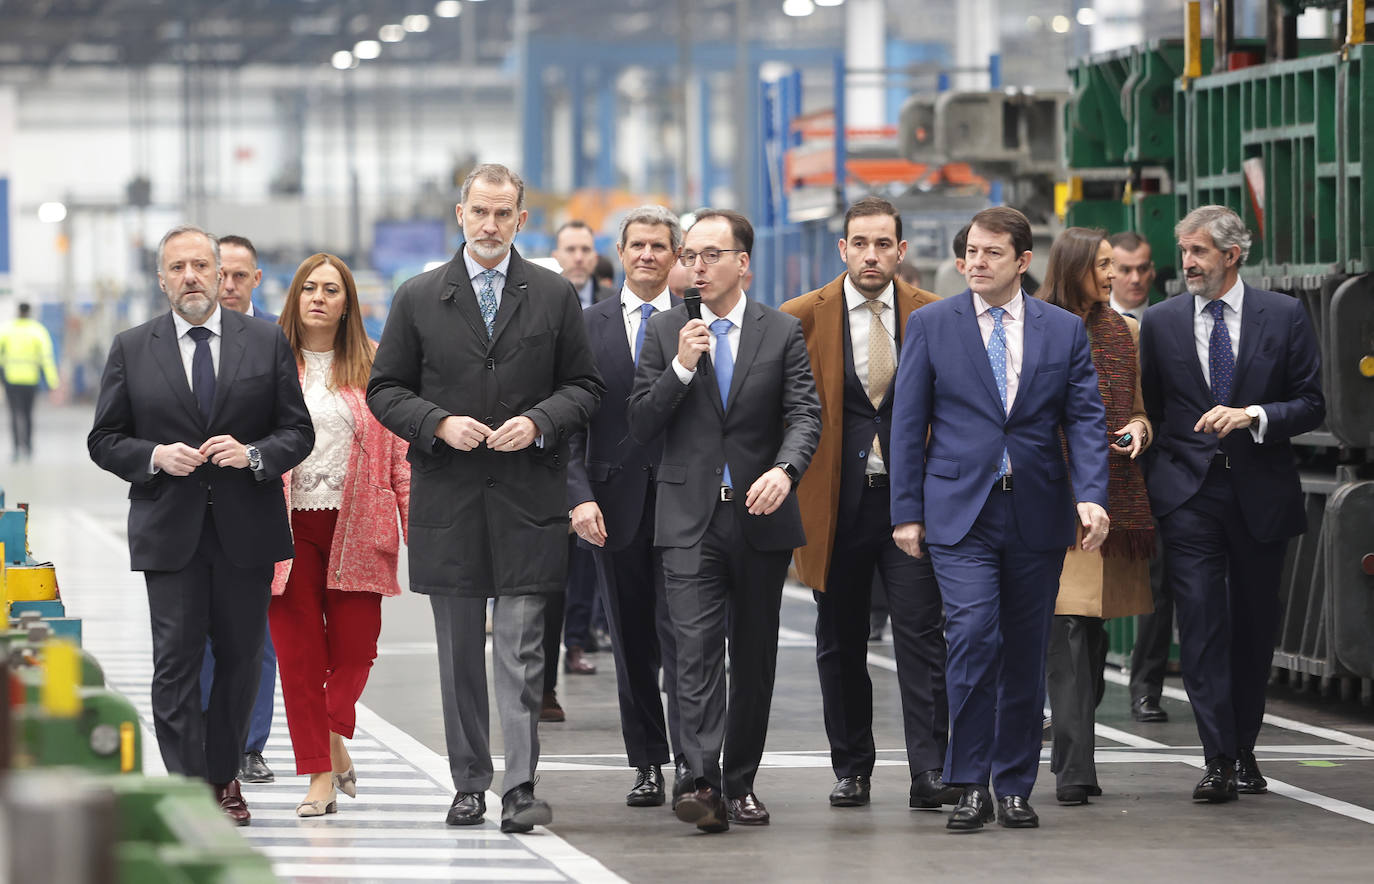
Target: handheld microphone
691,298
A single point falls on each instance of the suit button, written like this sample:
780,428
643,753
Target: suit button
491,364
644,468
719,471
491,483
878,419
490,421
863,454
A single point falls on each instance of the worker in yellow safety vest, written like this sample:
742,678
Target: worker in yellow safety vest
25,356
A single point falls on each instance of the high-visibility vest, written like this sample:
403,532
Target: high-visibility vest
26,350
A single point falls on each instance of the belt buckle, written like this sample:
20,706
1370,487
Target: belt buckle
1003,482
727,494
1223,459
876,480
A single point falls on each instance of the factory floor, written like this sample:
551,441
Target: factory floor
1316,822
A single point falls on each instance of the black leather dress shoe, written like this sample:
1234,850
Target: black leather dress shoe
521,811
703,808
929,792
1015,812
1249,780
467,809
252,769
747,810
1219,783
973,810
683,781
648,787
1146,709
850,792
1071,794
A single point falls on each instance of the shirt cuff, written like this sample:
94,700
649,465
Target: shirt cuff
683,373
539,441
1261,424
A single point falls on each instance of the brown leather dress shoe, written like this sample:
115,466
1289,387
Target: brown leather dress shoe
704,809
748,810
230,799
575,662
549,710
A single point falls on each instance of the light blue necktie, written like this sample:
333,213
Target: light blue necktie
486,300
645,311
725,368
1221,361
997,355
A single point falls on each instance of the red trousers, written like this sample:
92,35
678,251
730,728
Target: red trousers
326,640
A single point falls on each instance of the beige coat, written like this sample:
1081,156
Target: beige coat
1092,585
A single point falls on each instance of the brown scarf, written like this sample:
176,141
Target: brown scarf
1132,534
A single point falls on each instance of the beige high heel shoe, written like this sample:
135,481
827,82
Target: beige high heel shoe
347,782
320,806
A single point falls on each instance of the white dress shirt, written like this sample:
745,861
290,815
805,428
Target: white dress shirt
1014,325
1202,340
475,271
1136,313
736,317
630,305
187,345
860,321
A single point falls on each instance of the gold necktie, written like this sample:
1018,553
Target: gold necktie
881,365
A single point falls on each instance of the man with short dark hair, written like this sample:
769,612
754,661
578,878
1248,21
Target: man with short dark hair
575,251
987,381
1135,274
1230,374
731,393
853,327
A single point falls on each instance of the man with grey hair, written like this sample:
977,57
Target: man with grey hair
612,497
201,412
484,369
1230,374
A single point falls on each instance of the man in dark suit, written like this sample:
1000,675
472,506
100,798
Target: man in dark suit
201,411
987,381
239,276
484,368
851,327
733,396
611,494
1229,374
574,248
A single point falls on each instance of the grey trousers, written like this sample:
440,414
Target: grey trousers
1077,656
517,657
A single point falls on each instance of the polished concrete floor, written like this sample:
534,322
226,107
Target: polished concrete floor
1317,821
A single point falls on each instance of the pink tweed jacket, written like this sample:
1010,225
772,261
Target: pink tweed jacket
363,556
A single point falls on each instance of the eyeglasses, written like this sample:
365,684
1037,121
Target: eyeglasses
709,256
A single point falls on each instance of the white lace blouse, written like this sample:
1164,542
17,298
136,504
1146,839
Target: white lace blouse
317,483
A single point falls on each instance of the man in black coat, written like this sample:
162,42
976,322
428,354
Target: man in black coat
484,368
201,411
611,493
733,396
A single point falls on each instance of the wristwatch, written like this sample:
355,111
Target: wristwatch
254,457
790,470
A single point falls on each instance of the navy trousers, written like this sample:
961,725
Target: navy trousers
260,722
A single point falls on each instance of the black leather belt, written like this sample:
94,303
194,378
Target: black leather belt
1002,484
1221,461
726,493
875,480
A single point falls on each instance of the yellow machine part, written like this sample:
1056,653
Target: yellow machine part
61,678
30,583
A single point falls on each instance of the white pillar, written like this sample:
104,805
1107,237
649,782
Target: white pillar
977,38
865,46
1119,23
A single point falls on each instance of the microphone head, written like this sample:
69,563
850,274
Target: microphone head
692,298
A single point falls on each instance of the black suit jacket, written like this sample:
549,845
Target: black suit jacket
606,464
146,400
1278,368
484,522
774,417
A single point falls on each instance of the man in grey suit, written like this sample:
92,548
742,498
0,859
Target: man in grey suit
732,393
484,368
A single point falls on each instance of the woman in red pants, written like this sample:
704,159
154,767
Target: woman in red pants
345,499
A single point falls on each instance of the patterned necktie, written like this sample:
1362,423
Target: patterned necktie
1221,361
486,300
203,371
724,363
997,355
881,365
645,311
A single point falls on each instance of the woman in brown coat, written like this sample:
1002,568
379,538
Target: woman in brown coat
1114,581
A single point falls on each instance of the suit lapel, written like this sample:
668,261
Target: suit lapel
827,359
167,354
750,336
1251,330
231,348
458,288
513,297
1183,335
613,342
972,338
1032,341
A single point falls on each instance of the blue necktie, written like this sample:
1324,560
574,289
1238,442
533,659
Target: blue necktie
725,367
486,299
1221,361
645,311
203,371
997,355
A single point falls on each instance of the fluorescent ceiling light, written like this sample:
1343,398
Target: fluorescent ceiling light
367,49
415,24
342,60
448,8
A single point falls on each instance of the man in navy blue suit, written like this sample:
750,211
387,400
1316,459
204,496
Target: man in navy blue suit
1230,374
986,382
611,494
240,275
